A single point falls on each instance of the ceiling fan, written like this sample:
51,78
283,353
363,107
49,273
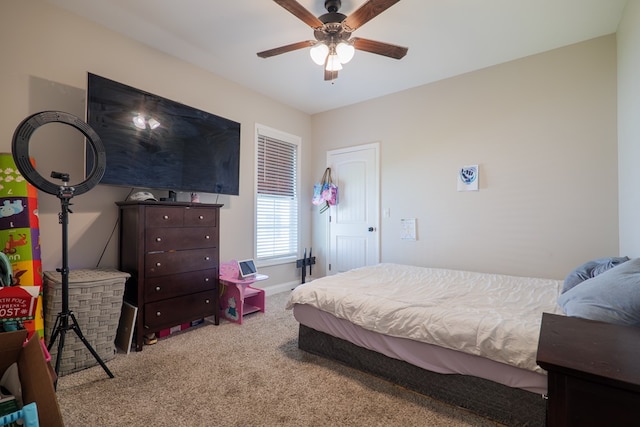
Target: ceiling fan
333,44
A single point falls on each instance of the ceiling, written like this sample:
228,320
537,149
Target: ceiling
445,38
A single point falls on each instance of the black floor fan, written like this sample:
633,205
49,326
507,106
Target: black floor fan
65,320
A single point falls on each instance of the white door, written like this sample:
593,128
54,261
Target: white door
354,221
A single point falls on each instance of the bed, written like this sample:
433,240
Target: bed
466,338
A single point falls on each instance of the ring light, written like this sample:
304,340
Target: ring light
20,150
65,320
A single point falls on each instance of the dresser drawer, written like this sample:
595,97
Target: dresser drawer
166,238
165,263
164,216
171,312
200,217
158,288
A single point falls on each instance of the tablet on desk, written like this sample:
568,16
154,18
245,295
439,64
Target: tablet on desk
248,271
247,268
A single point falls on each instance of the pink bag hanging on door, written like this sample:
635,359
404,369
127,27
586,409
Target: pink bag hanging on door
319,188
329,191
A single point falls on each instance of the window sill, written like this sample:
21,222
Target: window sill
278,261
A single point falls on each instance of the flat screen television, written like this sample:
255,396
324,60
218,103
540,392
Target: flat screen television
153,142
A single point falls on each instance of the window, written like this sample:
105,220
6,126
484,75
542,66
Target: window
276,195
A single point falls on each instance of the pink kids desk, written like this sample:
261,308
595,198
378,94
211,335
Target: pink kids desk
238,297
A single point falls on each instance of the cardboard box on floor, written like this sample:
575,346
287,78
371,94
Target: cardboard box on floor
34,372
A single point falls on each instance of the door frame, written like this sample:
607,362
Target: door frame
376,147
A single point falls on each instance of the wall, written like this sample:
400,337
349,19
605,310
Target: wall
42,45
543,131
629,128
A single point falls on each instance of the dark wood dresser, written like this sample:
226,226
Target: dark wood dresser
594,372
171,250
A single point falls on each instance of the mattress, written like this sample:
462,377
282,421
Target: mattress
426,356
492,316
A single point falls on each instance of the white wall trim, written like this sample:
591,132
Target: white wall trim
276,289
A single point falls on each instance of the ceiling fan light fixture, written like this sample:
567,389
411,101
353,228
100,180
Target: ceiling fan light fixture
345,52
153,123
138,121
319,53
333,63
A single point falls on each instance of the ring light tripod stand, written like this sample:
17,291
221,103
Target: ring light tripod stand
65,320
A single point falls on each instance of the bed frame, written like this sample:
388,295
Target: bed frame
506,405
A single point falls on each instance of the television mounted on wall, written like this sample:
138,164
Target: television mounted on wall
156,143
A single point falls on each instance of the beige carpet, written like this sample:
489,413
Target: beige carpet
243,375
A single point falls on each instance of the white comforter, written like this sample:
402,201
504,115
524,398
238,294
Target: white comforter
490,315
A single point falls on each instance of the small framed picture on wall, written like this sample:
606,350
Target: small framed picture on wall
468,178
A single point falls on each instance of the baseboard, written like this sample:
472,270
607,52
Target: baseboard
281,287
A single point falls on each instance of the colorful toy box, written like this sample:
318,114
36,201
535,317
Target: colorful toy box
20,234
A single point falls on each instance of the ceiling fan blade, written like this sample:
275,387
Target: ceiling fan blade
330,75
284,49
380,48
300,12
367,12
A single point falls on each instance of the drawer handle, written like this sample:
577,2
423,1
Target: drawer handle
158,264
165,216
158,239
158,314
206,279
207,258
157,288
201,217
206,301
207,237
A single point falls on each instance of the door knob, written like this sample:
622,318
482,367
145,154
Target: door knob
372,229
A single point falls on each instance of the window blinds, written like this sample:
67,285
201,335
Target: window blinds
277,199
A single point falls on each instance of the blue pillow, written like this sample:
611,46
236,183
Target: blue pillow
613,296
590,269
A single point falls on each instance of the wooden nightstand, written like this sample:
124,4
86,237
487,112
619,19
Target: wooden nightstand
594,372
